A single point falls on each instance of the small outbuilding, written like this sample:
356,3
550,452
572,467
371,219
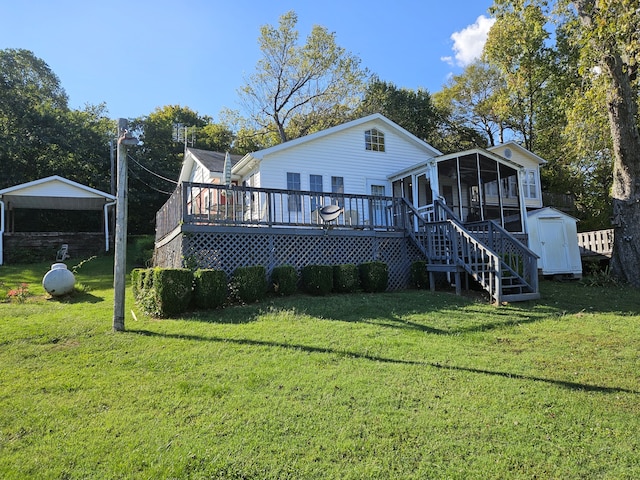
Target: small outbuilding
51,193
553,236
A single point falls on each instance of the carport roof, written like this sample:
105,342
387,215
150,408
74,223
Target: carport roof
55,193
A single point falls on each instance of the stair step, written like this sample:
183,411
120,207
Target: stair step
520,297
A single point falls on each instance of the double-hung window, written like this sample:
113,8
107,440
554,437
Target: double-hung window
294,200
315,185
530,184
337,187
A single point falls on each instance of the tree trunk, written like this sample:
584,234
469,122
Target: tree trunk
623,109
622,105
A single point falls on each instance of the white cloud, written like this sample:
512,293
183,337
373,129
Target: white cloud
448,60
469,42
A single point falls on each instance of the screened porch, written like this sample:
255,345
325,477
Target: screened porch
476,185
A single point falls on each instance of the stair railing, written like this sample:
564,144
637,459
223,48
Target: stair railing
447,242
519,260
485,250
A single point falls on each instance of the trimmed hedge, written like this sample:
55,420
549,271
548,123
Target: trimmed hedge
419,277
209,288
345,278
317,279
162,292
284,280
249,284
173,289
374,276
137,276
143,292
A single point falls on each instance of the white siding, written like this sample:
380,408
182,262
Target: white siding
553,237
56,188
342,154
528,162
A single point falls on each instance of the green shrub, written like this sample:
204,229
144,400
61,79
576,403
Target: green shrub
209,288
249,284
173,289
374,276
143,247
418,276
317,279
136,283
144,293
345,278
141,282
284,280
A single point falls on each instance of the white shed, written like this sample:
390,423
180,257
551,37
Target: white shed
553,235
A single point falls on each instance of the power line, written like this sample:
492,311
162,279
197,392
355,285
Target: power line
145,183
151,172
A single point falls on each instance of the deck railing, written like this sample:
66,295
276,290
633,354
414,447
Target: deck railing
485,250
220,205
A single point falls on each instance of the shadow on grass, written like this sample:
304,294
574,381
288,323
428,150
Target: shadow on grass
344,353
76,297
438,314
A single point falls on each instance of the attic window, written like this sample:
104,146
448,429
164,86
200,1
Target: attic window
374,140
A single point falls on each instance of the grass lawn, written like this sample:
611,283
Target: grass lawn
397,385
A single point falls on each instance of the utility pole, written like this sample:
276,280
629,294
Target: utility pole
125,139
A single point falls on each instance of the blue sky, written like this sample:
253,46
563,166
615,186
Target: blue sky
136,56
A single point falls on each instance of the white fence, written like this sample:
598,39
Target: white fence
598,242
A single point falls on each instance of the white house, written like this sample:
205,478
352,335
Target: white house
356,157
374,156
391,190
530,164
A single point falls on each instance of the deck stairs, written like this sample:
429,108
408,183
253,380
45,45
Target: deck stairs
484,251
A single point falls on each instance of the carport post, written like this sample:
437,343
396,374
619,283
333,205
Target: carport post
120,247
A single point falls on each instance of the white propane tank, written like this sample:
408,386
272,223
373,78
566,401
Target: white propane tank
58,281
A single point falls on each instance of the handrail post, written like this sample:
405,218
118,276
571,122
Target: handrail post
185,201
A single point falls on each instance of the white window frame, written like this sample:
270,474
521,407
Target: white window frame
530,182
374,140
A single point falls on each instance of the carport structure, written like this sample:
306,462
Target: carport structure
51,193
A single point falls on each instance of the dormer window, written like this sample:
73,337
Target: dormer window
374,140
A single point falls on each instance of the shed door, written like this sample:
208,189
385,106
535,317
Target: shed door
553,243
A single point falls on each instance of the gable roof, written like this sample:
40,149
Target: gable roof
550,212
441,158
213,162
55,193
516,146
376,117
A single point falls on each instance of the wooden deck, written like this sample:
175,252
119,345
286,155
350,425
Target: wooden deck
217,226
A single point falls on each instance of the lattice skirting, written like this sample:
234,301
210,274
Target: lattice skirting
228,249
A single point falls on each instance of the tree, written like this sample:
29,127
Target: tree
41,136
473,100
31,99
610,35
317,80
413,110
155,165
517,46
216,137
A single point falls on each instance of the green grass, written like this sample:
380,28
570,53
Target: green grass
393,385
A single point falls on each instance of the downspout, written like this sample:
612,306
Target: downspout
1,230
106,224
